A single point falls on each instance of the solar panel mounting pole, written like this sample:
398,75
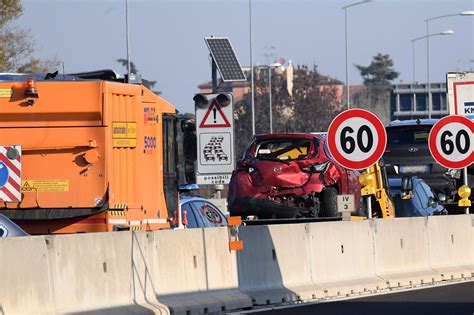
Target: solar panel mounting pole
216,188
214,75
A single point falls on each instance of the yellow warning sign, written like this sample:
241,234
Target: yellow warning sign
124,130
124,134
124,143
45,185
6,93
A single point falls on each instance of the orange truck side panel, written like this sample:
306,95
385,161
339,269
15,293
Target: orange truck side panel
58,104
55,156
88,145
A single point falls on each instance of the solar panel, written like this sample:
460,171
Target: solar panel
226,61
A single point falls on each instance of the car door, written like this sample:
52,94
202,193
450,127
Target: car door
210,215
192,221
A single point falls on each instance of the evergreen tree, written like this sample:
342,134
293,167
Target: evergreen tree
133,69
379,72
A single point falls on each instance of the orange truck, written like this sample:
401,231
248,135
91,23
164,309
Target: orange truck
83,154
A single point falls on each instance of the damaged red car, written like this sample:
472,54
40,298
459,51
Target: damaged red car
289,176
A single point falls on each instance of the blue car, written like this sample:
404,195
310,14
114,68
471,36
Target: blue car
9,229
199,212
416,200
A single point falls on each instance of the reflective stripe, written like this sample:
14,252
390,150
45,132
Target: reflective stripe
14,165
155,221
117,221
3,196
13,190
135,222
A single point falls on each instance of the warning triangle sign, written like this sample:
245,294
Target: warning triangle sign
214,117
26,187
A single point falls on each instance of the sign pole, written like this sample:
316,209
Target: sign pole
466,182
215,188
369,201
357,140
451,143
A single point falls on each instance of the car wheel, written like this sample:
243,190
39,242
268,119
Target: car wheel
329,202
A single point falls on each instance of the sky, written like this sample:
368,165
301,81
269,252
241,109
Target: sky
167,36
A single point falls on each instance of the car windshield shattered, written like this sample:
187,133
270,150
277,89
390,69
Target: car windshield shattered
284,149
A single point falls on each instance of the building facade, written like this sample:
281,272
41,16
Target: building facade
410,101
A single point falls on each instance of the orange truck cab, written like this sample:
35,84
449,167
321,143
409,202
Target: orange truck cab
82,154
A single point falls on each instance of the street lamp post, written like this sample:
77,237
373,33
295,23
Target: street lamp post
464,13
127,35
347,49
447,32
270,67
414,70
251,68
270,97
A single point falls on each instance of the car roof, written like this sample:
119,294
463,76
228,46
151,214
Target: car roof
187,198
268,136
413,122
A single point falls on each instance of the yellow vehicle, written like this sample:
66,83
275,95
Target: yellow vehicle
374,184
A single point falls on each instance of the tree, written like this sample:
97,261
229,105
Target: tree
16,45
310,107
379,72
133,69
35,65
376,95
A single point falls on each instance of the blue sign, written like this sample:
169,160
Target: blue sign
469,109
3,174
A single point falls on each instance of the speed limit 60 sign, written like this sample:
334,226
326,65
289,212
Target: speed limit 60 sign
451,142
356,139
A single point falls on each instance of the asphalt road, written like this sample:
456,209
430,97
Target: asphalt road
457,299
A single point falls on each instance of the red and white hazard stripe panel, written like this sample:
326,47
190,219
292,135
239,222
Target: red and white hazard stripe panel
10,173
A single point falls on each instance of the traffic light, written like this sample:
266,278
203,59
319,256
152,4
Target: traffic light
203,99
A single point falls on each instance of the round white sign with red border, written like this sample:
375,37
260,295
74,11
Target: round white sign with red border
356,139
451,142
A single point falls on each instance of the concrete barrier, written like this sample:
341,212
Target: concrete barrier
275,266
179,272
195,272
103,271
401,252
342,258
25,277
450,245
